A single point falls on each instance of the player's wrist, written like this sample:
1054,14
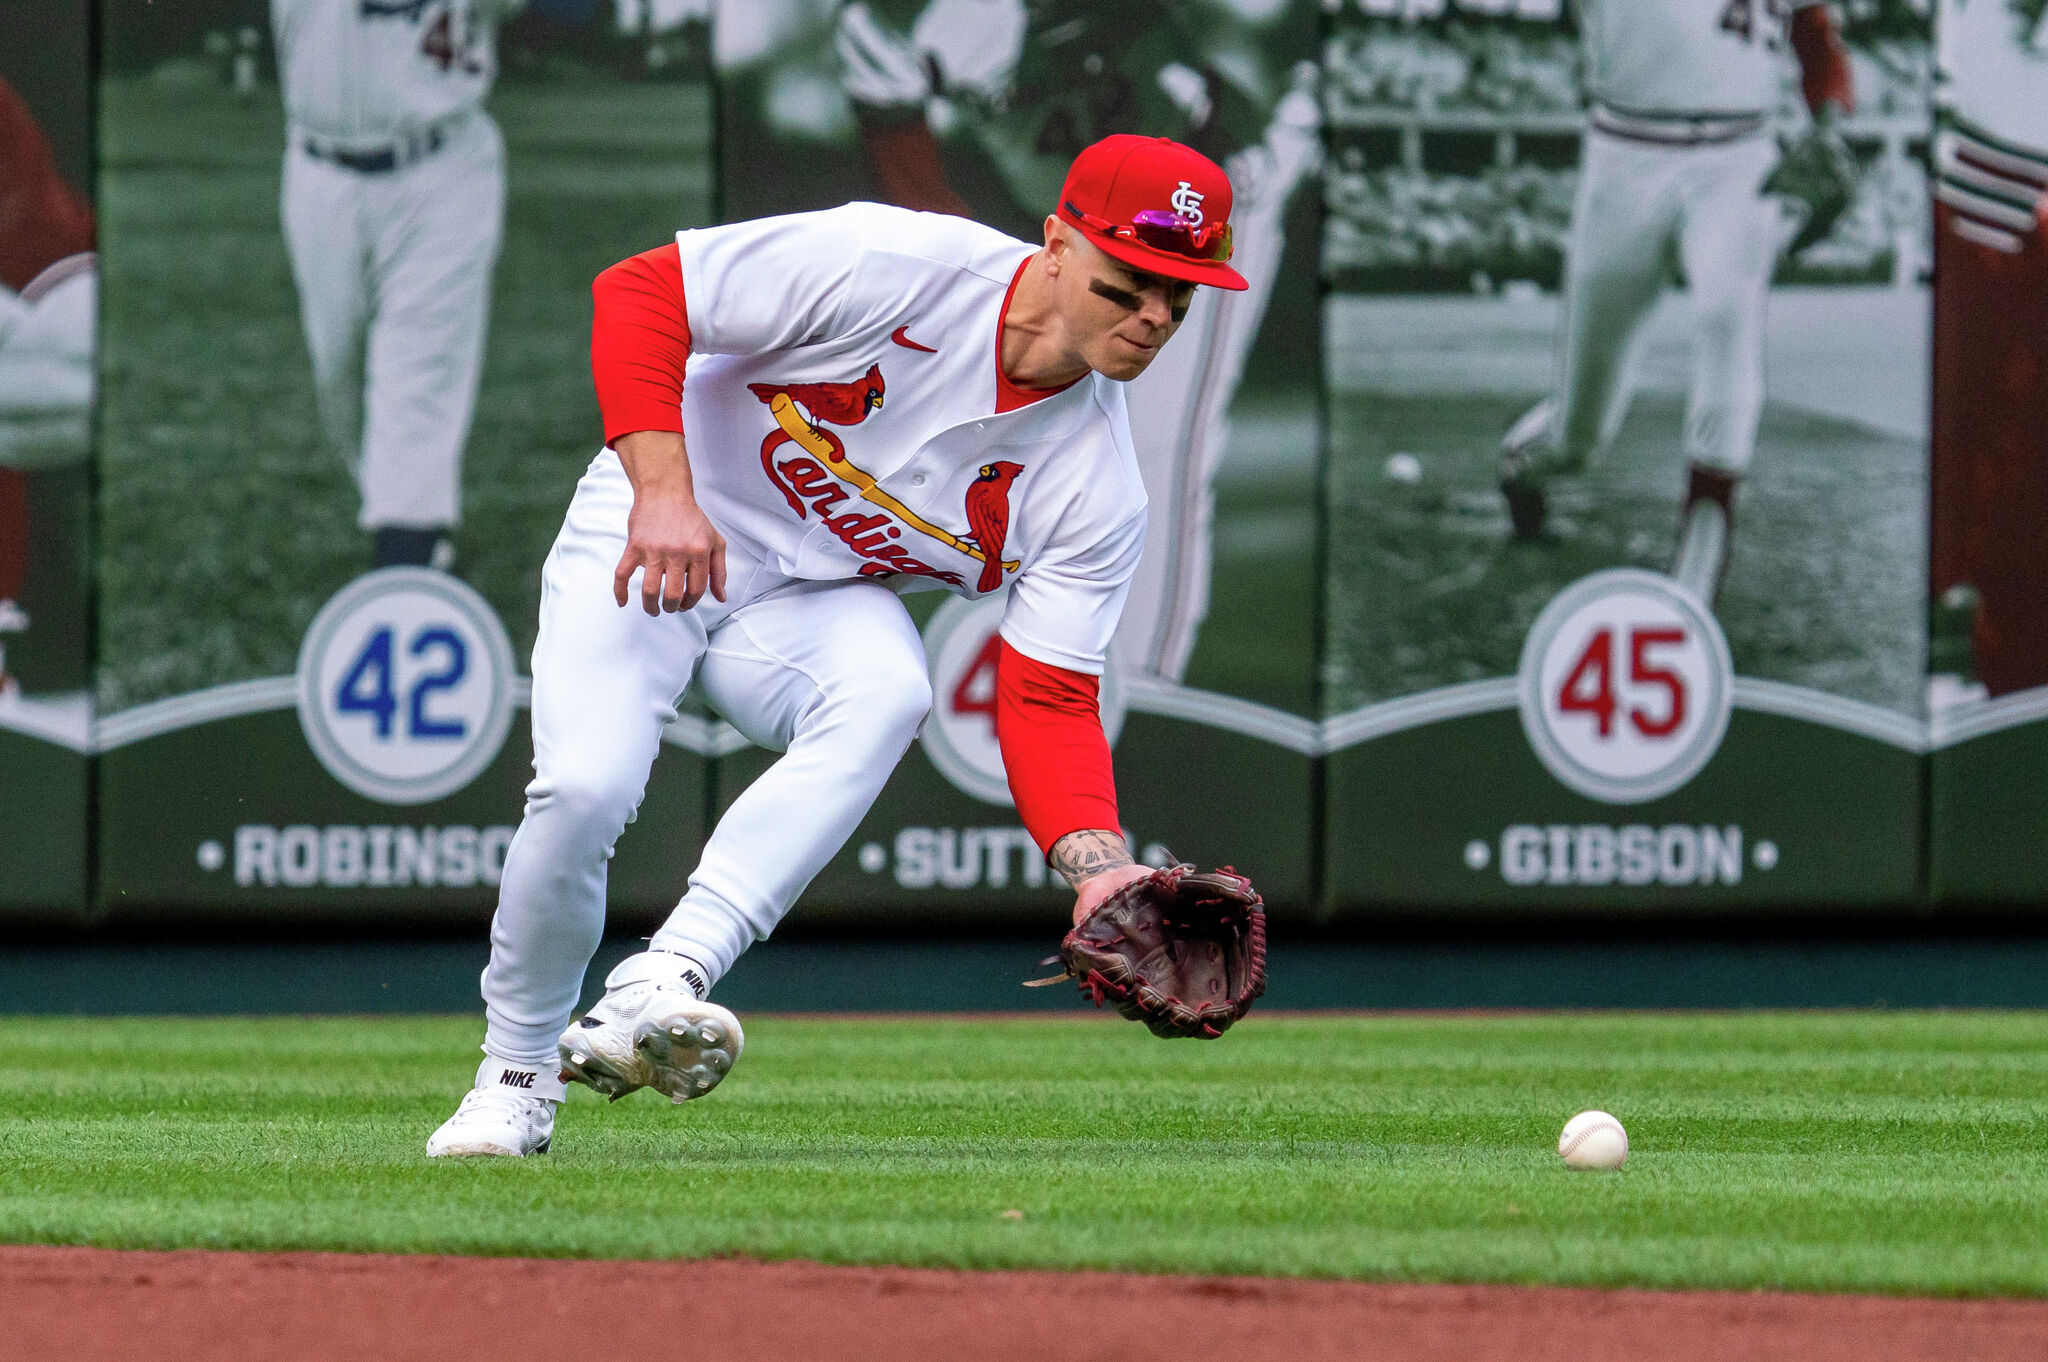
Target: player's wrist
1096,863
657,463
1083,855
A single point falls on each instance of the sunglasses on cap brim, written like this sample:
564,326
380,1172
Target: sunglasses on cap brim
1163,231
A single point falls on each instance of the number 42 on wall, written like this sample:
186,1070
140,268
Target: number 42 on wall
368,685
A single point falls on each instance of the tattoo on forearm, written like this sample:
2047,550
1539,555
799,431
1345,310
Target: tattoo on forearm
1082,855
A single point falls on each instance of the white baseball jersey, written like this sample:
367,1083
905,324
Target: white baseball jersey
358,71
1678,57
1994,66
840,410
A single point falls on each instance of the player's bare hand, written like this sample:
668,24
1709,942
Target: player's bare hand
678,552
1090,893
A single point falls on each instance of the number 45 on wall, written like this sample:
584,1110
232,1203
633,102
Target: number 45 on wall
1589,687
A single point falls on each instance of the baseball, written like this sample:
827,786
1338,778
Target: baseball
1404,468
1593,1139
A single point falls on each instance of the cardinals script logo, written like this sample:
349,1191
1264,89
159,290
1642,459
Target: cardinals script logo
810,483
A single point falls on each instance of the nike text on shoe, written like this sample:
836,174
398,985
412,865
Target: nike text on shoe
652,1033
510,1113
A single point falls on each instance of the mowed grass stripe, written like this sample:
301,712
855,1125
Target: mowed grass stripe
1890,1152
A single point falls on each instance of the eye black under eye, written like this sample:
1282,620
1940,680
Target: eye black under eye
1127,301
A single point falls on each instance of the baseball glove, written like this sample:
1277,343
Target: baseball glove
1182,950
1817,173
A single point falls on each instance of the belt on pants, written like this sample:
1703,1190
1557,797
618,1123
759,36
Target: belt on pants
378,160
1677,129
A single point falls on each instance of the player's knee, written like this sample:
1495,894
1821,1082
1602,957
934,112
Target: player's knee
1723,321
886,704
902,699
914,703
591,804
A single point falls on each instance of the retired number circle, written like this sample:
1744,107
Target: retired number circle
1625,686
405,685
960,647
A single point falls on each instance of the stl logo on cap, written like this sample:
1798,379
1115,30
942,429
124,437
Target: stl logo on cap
1155,205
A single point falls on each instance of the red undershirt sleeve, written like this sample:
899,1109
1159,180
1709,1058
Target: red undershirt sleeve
1049,726
639,342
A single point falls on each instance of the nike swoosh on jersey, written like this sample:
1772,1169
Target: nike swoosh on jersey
909,344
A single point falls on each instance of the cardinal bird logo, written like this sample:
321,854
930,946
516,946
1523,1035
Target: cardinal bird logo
841,404
988,518
815,483
838,404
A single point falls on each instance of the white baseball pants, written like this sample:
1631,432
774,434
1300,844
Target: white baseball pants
832,674
1180,405
1637,202
394,279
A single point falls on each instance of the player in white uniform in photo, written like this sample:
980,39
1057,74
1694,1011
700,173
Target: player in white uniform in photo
393,208
898,57
875,400
1677,149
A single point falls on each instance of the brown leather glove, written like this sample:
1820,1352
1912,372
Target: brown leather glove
1183,951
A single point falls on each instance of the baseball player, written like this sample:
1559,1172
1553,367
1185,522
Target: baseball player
1990,479
875,401
1677,153
49,291
1036,80
393,208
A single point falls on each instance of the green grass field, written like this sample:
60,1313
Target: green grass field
1887,1152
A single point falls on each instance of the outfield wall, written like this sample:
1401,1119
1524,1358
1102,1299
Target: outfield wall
47,292
1340,670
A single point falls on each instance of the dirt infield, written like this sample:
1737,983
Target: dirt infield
84,1305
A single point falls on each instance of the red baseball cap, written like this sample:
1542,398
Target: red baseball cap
1155,205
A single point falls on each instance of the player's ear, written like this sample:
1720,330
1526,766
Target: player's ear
1056,244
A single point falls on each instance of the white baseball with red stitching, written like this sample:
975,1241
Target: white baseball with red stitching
1593,1139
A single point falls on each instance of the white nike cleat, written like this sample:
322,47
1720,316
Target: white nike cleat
509,1114
651,1030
